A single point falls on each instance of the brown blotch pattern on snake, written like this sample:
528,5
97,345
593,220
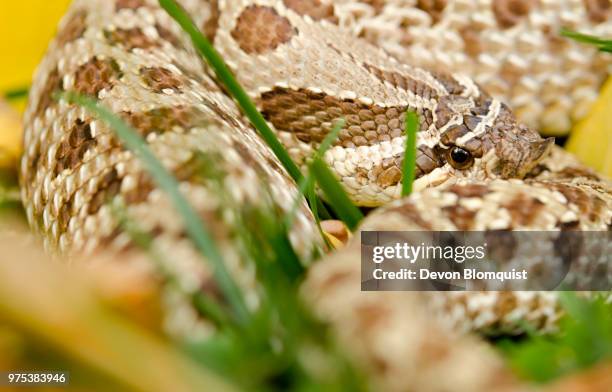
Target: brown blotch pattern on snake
210,26
523,209
161,80
314,9
598,10
508,13
96,75
434,8
462,217
469,190
261,29
588,206
472,44
72,149
311,115
130,38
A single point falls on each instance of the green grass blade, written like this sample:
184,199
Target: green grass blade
330,138
307,189
337,197
605,45
208,308
318,208
307,182
227,78
303,187
409,164
166,181
15,94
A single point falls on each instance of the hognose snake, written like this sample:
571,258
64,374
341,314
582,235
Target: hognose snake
304,67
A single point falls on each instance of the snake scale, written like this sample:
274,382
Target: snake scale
306,64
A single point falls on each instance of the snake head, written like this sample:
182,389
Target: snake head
480,139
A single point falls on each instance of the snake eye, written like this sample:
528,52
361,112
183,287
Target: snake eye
460,158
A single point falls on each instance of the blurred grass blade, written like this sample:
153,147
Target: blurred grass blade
306,188
18,93
207,307
583,340
166,181
229,81
409,164
303,187
56,306
604,45
337,197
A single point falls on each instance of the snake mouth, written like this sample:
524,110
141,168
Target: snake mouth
436,178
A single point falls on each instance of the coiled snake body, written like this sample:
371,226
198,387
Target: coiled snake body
303,65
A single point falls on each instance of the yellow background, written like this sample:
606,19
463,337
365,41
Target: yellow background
591,140
26,27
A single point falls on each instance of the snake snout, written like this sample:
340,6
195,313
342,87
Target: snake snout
535,154
518,158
